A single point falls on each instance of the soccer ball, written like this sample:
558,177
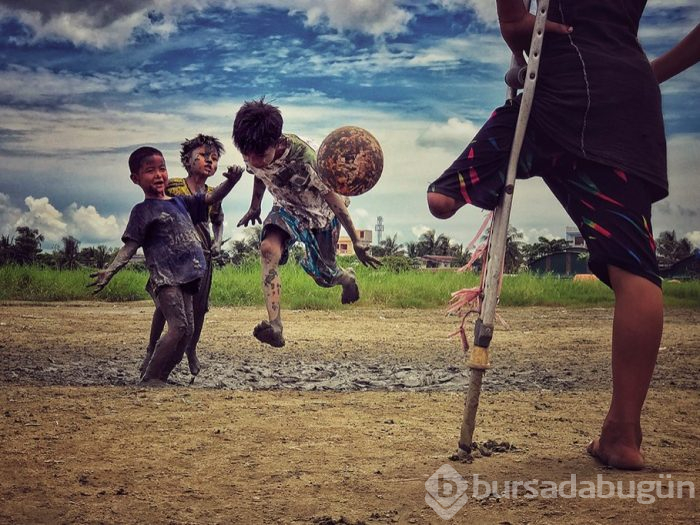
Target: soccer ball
350,160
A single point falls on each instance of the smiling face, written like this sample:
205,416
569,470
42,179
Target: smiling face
203,161
152,176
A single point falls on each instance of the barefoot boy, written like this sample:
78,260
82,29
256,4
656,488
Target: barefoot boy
596,137
305,210
200,157
164,227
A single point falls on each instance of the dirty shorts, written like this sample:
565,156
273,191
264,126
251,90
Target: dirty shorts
319,244
611,208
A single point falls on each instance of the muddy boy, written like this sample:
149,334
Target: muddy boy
164,227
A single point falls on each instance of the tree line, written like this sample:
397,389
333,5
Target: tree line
25,247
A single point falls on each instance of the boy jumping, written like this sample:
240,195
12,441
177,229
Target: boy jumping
305,210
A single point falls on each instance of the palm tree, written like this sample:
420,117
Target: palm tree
671,250
391,247
27,245
68,256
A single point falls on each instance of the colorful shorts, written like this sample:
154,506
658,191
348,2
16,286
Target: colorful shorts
611,208
319,244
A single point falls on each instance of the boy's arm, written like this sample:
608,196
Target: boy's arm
517,24
683,55
337,204
124,255
233,175
253,213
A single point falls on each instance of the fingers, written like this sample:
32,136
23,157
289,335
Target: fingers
554,27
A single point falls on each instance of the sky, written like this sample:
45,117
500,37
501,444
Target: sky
83,83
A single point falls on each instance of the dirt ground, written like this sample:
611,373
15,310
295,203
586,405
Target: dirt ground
344,425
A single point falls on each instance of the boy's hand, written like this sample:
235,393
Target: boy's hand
101,277
251,216
365,258
517,24
234,173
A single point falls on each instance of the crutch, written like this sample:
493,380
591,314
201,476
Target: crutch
483,329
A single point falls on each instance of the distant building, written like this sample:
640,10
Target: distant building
436,261
688,268
344,244
574,237
567,263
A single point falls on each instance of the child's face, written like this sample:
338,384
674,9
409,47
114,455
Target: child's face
152,177
203,161
261,161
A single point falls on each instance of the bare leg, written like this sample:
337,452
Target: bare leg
270,332
200,302
157,325
186,339
169,348
442,206
637,328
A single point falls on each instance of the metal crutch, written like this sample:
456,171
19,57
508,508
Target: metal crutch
483,329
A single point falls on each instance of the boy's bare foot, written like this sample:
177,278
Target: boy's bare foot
268,333
351,292
146,360
618,446
193,361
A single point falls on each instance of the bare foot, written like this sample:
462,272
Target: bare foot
269,334
615,455
351,292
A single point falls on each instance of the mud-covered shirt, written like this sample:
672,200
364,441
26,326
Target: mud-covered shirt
215,215
295,185
165,230
596,94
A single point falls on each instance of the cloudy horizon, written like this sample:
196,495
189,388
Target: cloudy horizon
84,83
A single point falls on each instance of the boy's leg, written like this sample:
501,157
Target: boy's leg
320,262
271,249
637,328
172,305
157,325
612,210
186,339
200,306
478,175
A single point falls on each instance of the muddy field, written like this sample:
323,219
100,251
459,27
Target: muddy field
343,425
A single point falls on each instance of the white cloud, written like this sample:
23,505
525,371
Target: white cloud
44,217
420,230
694,238
82,222
20,83
9,215
87,225
114,24
454,135
366,16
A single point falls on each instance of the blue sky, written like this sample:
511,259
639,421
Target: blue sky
83,83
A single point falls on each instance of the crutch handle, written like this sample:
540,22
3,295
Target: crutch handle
515,77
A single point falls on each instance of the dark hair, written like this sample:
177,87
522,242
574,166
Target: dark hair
257,127
200,140
137,157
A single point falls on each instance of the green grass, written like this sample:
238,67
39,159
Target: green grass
240,286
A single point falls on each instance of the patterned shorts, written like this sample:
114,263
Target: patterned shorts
611,208
319,244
